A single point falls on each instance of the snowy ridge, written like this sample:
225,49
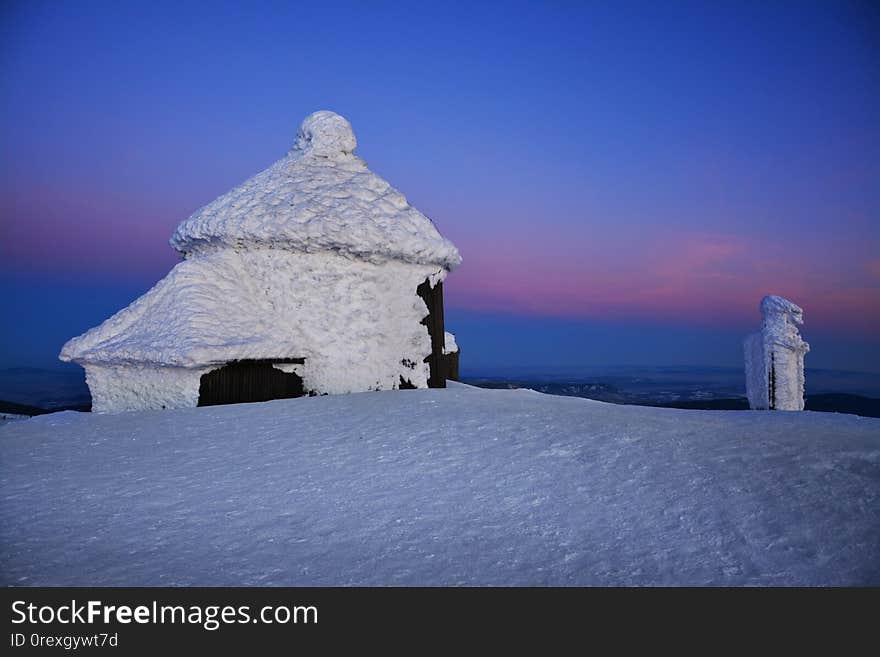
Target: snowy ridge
460,486
320,197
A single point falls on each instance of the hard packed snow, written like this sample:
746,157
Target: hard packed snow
320,197
775,355
460,486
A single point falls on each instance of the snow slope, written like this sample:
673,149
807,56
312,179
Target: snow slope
440,487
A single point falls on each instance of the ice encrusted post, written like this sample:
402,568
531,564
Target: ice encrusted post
775,358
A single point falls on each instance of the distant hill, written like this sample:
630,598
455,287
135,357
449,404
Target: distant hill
685,394
51,390
20,409
11,408
844,403
837,402
33,391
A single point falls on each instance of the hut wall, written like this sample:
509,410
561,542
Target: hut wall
120,388
450,365
357,324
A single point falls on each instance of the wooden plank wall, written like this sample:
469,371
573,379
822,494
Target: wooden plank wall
245,381
450,365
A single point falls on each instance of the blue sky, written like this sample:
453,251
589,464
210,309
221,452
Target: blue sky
624,180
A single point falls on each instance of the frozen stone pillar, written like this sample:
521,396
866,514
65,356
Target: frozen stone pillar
775,358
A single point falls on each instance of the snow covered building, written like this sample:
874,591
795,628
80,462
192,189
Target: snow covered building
775,357
314,276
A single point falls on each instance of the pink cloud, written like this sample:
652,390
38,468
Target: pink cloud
705,278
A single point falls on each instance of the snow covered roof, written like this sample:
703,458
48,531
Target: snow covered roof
320,197
222,306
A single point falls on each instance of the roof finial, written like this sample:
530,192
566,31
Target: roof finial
325,134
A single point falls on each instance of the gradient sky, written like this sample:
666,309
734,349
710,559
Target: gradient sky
624,180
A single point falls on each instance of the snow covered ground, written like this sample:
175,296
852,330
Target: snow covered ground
440,487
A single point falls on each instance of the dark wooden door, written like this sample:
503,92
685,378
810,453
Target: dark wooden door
433,298
244,381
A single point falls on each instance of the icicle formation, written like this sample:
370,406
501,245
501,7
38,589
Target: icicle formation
775,358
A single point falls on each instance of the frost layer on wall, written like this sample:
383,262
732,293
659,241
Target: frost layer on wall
118,388
357,324
774,357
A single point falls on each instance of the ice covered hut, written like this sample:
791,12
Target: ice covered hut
775,358
315,276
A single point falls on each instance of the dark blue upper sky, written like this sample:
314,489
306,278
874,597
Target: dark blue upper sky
624,180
